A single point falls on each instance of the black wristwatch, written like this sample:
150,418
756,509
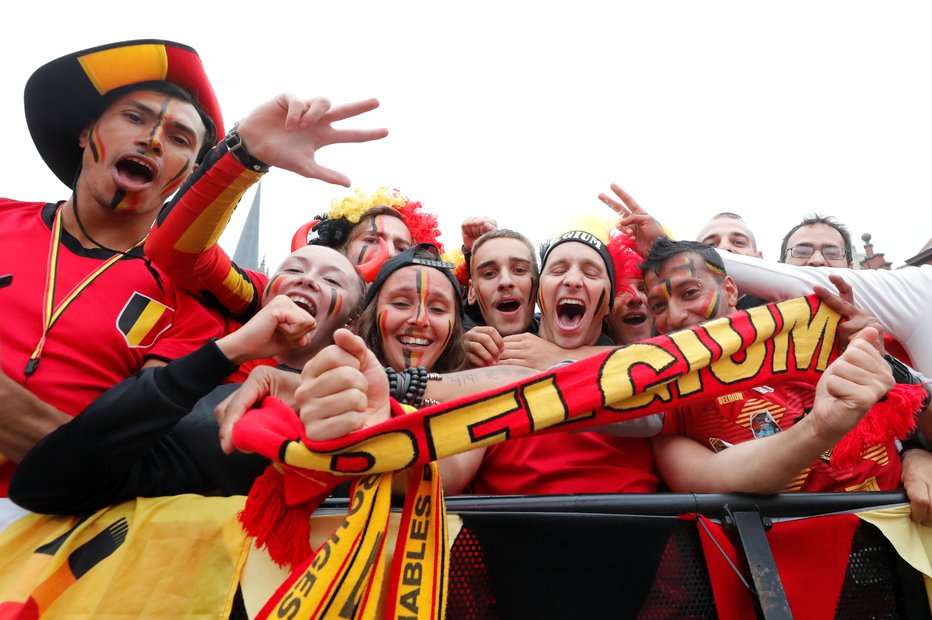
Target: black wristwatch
237,148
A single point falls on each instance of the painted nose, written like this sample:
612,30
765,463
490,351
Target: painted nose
153,138
419,317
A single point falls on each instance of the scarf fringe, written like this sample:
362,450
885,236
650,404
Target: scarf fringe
892,417
283,530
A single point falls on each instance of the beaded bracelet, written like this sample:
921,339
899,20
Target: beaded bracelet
408,386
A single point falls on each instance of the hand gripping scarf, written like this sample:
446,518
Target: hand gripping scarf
792,339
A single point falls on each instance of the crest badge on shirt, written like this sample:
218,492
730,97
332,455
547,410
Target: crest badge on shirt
142,320
763,424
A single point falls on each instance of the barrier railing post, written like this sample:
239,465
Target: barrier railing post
769,595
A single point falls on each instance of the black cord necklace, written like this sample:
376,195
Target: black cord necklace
143,257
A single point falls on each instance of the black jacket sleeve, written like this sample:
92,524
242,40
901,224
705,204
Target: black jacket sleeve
129,443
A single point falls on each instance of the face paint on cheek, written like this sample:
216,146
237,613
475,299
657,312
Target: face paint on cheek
483,307
336,302
598,305
364,253
540,301
380,323
446,340
274,285
97,148
175,181
711,308
665,288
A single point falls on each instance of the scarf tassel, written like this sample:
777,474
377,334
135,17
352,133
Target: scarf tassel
892,417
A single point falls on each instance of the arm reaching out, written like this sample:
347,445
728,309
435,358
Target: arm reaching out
286,132
642,224
474,227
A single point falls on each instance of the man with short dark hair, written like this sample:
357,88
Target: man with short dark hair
768,439
818,241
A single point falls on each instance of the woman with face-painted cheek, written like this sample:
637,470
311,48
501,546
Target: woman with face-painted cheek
413,313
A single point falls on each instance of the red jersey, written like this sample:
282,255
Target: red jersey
762,411
117,322
560,462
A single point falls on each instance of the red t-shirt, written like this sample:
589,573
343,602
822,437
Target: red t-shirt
765,410
121,319
561,462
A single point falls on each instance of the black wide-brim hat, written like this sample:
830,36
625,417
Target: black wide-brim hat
63,96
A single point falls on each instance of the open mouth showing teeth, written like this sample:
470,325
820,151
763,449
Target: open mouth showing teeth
135,171
411,341
634,319
570,312
508,306
305,304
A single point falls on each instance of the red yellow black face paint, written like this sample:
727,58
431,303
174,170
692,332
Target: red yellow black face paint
368,249
711,307
336,302
273,286
446,340
122,201
715,271
383,330
176,181
412,358
97,148
598,305
689,265
155,136
423,289
540,302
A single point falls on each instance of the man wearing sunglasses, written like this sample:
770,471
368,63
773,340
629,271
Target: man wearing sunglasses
818,241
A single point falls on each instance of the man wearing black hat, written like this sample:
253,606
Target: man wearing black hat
121,125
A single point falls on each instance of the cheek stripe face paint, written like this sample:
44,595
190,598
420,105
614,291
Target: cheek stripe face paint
274,284
665,288
176,180
336,302
97,149
598,305
712,307
446,340
383,332
363,254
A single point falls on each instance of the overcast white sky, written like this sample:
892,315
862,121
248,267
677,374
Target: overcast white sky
526,111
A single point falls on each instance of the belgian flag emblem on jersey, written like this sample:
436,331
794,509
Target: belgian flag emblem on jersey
142,320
